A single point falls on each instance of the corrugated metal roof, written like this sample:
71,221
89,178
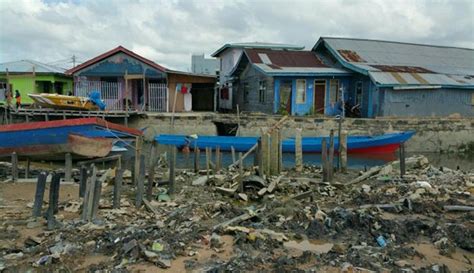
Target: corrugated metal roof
289,63
257,45
364,53
303,71
283,58
26,66
396,78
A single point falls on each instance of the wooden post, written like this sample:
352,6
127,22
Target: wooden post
151,172
238,121
82,180
140,182
68,167
402,159
266,153
232,150
280,152
331,156
27,169
207,161
126,96
218,159
138,152
260,157
343,151
241,173
324,159
39,194
119,168
97,191
14,167
172,169
298,151
55,182
90,193
274,147
339,128
196,159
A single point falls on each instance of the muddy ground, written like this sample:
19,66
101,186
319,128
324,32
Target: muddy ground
288,223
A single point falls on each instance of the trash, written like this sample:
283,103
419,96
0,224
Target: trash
381,241
200,181
157,247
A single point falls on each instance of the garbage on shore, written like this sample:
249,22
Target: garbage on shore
373,221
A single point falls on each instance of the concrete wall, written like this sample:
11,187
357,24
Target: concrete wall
433,134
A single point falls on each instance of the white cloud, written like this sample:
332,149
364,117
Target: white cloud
168,32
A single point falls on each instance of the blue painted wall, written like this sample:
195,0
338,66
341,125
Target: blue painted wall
300,109
116,65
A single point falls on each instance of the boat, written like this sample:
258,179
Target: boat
83,138
385,143
57,101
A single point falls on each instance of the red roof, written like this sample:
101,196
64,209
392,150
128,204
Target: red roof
111,53
284,58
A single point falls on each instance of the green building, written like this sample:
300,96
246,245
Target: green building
29,77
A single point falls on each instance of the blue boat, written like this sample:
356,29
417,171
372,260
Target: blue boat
385,143
83,137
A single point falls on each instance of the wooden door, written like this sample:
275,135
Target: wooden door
319,96
285,96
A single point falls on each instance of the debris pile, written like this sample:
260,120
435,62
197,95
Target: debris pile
362,222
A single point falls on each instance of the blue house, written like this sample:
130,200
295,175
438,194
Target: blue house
404,79
288,81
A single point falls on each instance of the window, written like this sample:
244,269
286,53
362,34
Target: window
246,92
358,93
262,90
300,91
333,91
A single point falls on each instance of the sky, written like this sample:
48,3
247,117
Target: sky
170,31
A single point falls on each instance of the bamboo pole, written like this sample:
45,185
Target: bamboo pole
324,159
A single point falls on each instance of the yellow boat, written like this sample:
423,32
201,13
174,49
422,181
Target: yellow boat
57,101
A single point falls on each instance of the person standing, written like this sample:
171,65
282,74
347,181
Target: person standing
18,98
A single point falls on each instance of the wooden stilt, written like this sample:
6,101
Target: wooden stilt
39,194
140,182
298,151
118,183
172,169
343,151
68,167
324,159
27,169
218,159
241,173
151,172
402,159
14,167
196,159
331,156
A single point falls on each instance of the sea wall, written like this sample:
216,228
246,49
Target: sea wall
432,134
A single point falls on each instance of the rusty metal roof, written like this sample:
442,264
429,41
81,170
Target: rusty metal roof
288,63
396,62
256,45
283,58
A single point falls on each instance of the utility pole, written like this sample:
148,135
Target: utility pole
73,60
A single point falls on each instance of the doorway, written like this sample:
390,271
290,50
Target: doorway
319,96
285,97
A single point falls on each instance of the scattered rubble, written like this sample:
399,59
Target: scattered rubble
372,221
